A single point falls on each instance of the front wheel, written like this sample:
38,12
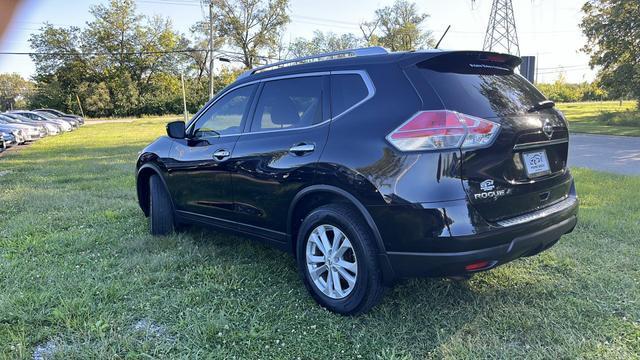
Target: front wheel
161,219
337,259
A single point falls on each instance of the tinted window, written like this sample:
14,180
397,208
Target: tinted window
346,91
289,103
480,89
226,115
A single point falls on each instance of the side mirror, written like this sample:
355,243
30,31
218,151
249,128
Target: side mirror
176,130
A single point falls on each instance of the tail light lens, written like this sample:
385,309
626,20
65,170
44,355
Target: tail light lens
443,129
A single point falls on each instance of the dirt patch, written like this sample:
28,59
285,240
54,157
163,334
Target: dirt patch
45,351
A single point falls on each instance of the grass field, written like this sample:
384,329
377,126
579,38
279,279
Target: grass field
599,117
603,117
81,278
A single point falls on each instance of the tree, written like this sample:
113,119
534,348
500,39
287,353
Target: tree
251,26
200,59
121,57
13,90
397,27
322,42
613,42
97,100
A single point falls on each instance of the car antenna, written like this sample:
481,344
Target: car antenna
442,37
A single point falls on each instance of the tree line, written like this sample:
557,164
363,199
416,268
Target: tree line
123,63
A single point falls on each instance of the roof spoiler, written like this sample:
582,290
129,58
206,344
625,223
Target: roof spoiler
479,60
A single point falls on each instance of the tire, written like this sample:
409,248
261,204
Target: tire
161,219
348,299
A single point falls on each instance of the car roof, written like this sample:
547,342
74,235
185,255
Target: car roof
339,60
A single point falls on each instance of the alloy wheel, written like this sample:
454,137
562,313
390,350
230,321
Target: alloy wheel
331,261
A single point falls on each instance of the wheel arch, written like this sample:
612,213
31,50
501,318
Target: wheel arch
143,175
314,196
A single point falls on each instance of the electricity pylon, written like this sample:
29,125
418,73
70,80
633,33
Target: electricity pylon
501,33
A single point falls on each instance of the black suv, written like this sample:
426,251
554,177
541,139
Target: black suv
371,166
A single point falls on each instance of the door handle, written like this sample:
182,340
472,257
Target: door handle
302,149
221,154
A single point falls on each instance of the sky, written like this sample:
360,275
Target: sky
547,29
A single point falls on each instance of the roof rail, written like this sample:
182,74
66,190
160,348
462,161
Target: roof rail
374,50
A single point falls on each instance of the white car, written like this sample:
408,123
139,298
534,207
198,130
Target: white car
35,116
31,132
50,127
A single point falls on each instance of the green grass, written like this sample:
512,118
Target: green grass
603,117
81,278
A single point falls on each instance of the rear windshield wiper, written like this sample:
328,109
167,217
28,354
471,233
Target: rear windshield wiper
545,104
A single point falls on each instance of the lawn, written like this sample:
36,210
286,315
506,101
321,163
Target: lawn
602,117
597,117
81,278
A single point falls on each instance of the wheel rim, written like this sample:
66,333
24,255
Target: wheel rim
331,261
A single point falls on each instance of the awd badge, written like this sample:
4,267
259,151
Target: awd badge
488,191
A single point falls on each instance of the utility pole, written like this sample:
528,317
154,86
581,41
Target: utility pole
79,105
211,49
501,33
184,98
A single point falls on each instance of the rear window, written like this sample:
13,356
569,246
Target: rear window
480,88
346,91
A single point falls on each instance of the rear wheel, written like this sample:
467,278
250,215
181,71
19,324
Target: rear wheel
337,260
161,219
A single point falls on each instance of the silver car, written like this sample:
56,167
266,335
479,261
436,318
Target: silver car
35,116
51,127
59,113
75,123
32,132
18,134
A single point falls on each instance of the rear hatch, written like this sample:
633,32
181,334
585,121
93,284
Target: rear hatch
526,167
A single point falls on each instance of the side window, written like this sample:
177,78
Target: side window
346,91
289,103
226,115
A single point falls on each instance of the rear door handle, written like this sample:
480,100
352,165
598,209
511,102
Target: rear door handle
302,149
221,154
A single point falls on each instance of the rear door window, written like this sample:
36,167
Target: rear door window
347,90
289,103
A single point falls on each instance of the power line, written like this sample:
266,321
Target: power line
100,53
97,53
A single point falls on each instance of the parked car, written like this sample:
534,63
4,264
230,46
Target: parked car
371,166
74,122
51,127
9,138
64,125
17,134
32,132
61,114
3,142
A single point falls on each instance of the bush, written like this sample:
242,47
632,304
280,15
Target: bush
561,91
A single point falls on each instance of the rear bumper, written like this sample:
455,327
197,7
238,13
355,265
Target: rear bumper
527,238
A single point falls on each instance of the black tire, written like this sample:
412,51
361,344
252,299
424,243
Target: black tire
161,219
368,289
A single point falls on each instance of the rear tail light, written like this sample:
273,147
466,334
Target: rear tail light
443,129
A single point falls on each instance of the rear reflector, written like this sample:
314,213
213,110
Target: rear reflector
477,266
443,129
